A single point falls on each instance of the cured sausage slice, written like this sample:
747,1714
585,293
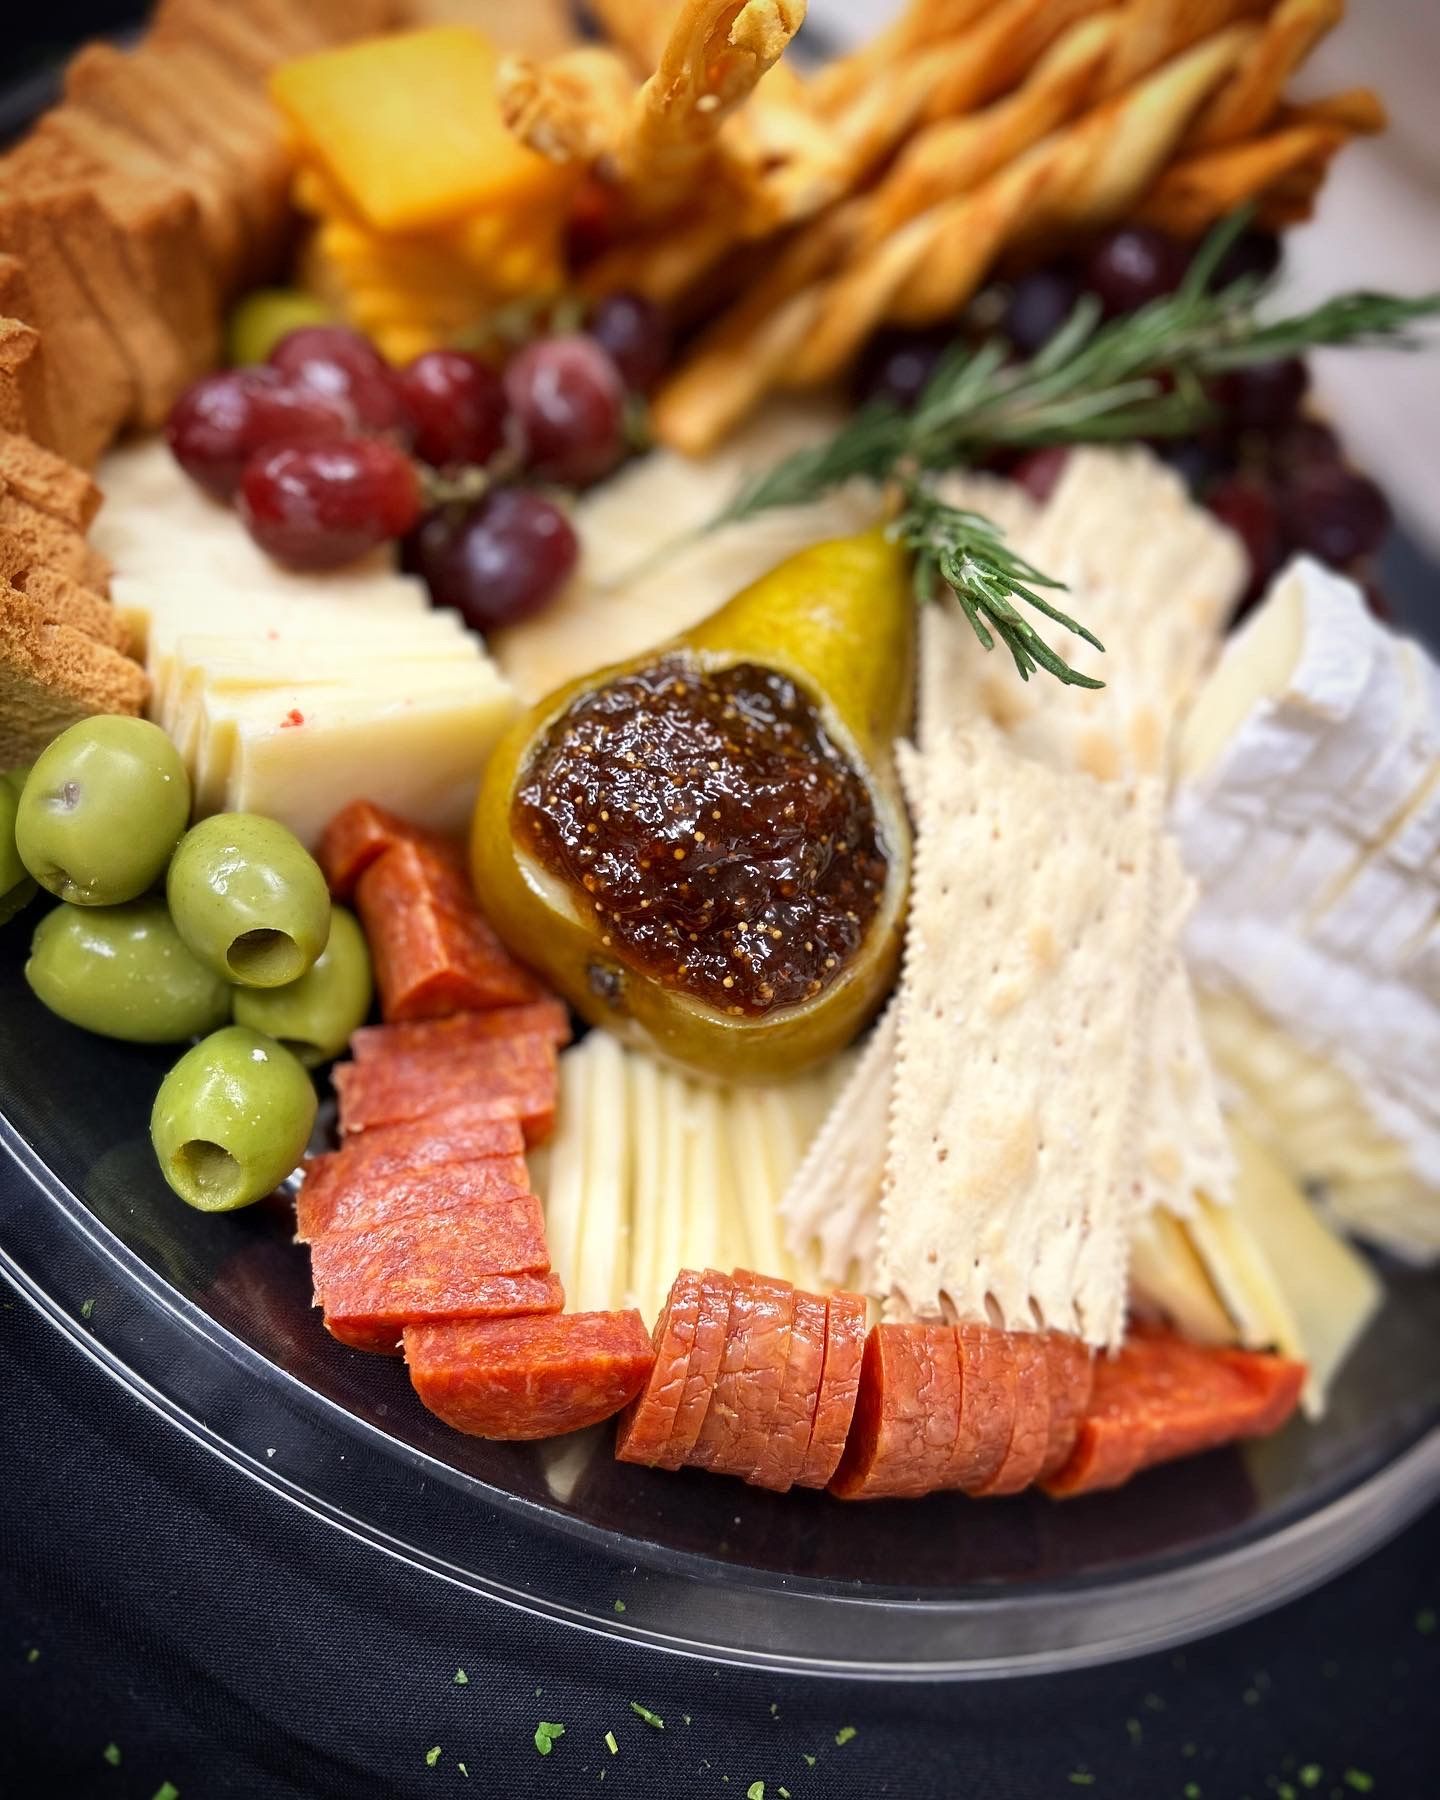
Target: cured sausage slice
789,1437
711,1326
845,1316
457,1136
906,1416
733,1437
360,834
434,952
419,1270
346,1200
1030,1431
496,1297
645,1430
1072,1373
1159,1398
520,1085
442,1037
987,1406
529,1377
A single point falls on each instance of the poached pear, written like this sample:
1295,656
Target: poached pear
705,848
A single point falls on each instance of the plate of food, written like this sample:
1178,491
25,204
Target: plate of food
717,858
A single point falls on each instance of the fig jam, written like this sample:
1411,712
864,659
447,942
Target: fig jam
722,842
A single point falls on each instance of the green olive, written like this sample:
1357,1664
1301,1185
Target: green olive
315,1015
249,899
259,321
103,808
13,874
123,972
232,1119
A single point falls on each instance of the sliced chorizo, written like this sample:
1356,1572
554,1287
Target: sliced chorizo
845,1320
906,1414
1159,1398
519,1086
344,1200
789,1436
421,1270
732,1438
711,1326
533,1377
644,1432
1072,1372
457,1032
987,1406
495,1297
361,833
1030,1429
433,950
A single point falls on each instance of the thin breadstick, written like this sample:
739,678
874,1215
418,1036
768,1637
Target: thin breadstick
1248,101
1152,31
921,24
1000,48
637,27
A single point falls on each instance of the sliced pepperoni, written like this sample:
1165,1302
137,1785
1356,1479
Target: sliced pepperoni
845,1317
433,950
1159,1398
361,833
752,1371
529,1377
987,1406
711,1326
342,1200
789,1437
520,1086
457,1136
644,1432
1030,1431
445,1037
1072,1372
906,1415
496,1297
419,1270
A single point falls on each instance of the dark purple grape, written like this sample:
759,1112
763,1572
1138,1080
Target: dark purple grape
897,365
1255,253
1038,305
335,360
1262,396
569,404
1249,508
1334,513
498,562
1303,444
320,505
218,424
456,403
1038,471
1198,461
1128,269
635,335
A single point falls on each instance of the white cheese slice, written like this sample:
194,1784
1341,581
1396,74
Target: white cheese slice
603,1261
563,1186
1167,1277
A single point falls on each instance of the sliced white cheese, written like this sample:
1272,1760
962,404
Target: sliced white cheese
1167,1277
603,1260
563,1187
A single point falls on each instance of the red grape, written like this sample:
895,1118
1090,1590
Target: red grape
897,365
1198,461
1038,305
569,402
318,506
499,561
218,424
1249,509
1334,513
335,360
1262,396
1128,269
457,404
1039,470
1253,253
634,334
1301,445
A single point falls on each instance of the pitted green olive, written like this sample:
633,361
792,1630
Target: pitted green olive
249,899
315,1015
122,971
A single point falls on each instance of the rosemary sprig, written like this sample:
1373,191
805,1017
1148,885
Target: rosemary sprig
1140,376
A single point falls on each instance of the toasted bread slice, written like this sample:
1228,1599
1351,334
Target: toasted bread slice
68,602
24,384
51,675
30,538
245,44
47,481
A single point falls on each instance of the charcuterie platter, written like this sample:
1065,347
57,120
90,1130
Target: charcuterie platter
718,860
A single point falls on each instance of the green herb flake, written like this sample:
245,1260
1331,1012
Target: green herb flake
1191,1790
643,1712
774,1709
546,1734
1425,1621
844,1735
87,1307
784,1793
1189,1750
1310,1776
111,1753
610,1743
1153,1703
755,1791
32,1655
1284,1791
619,1606
685,1717
1080,1778
1359,1781
463,1770
461,1678
167,1790
1134,1730
809,1760
432,1756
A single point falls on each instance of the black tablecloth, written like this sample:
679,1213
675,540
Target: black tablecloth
229,1644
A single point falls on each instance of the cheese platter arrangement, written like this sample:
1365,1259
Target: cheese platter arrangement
718,856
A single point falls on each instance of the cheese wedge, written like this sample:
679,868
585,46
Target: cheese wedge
1168,1278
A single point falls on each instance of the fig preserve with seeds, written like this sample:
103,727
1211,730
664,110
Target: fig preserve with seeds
723,842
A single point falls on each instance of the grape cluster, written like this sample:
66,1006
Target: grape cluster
326,452
1277,478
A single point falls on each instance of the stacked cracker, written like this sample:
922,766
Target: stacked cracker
966,137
